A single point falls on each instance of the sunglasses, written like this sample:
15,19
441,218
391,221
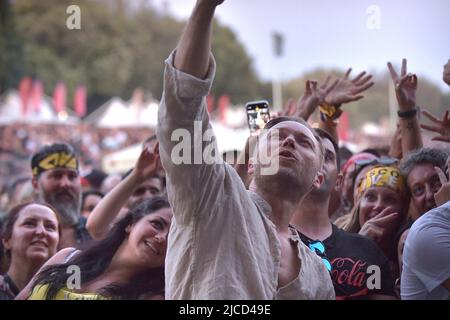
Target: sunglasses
319,248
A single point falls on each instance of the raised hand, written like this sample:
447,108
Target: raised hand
446,75
349,90
148,163
442,126
405,86
312,97
443,194
380,226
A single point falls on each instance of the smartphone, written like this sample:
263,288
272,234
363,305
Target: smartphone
257,115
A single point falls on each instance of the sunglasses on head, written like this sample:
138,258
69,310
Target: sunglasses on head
319,248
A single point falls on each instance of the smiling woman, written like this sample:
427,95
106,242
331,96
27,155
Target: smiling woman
30,237
127,264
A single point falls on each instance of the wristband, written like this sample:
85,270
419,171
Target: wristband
329,111
407,114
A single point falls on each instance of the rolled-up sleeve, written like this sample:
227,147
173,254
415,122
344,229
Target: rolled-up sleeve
194,185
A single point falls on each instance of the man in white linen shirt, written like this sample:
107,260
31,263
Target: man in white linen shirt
226,242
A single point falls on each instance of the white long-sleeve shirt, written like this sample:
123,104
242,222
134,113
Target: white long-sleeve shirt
222,243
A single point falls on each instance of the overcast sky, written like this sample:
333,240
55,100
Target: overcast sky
338,33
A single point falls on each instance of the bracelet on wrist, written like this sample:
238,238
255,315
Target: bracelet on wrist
407,114
329,111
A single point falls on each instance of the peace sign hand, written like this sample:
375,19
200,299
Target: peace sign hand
405,86
380,226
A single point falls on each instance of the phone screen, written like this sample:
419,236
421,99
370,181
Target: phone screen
257,115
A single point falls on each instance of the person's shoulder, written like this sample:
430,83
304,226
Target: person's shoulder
62,256
430,225
438,217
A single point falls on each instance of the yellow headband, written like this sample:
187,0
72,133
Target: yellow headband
55,160
389,177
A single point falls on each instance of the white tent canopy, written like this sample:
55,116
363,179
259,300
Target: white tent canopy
11,110
227,140
122,160
118,113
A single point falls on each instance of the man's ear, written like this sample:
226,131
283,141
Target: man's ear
318,180
6,244
34,183
339,181
251,167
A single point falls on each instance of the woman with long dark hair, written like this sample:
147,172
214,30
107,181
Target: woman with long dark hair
127,264
30,237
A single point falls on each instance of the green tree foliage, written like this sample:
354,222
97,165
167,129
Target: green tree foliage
121,46
234,74
11,51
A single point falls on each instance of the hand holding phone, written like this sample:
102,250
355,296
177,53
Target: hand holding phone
257,115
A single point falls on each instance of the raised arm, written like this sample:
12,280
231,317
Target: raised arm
405,90
194,173
103,216
194,47
330,96
347,90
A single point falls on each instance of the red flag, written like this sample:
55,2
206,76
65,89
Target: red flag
343,127
24,92
210,103
80,101
224,102
36,95
59,97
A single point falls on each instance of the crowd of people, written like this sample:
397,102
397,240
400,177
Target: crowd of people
21,140
294,219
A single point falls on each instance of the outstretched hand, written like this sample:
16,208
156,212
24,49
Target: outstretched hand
443,194
349,90
442,126
334,93
405,86
148,163
313,96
